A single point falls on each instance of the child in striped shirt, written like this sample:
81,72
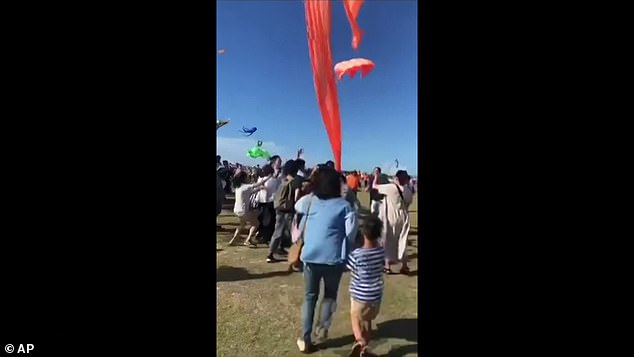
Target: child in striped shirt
366,284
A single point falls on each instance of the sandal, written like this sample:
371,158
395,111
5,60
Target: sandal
357,347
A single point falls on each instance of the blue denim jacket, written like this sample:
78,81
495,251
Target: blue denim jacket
330,231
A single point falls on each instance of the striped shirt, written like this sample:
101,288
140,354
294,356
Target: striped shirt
366,269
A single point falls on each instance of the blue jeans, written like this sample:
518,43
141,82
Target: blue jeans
313,273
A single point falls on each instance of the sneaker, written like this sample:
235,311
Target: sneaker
282,251
321,333
305,347
271,259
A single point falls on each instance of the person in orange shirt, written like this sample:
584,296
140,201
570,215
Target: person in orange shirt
353,181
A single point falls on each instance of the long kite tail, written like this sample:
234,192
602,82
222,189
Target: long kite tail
318,26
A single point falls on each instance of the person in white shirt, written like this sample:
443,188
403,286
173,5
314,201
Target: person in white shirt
242,207
276,163
265,198
395,217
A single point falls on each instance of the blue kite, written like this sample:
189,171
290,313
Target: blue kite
249,131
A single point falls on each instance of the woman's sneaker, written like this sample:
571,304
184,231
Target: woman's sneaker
305,347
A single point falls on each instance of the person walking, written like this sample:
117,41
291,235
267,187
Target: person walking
330,226
395,217
284,204
366,284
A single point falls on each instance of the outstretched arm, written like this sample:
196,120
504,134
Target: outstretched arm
261,183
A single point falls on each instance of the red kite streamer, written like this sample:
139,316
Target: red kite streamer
352,11
318,27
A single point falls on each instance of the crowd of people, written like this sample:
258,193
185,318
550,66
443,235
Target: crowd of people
321,204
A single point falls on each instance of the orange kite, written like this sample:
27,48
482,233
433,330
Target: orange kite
351,67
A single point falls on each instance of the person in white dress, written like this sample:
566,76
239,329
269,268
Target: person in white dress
242,207
395,217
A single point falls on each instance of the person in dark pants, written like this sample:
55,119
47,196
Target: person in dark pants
220,193
284,210
265,205
298,185
227,174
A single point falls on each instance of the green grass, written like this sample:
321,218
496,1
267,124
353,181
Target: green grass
259,304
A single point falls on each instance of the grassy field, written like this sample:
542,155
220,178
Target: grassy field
259,304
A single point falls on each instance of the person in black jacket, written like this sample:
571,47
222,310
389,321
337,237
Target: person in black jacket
375,197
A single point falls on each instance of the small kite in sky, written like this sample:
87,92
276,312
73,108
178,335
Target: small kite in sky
221,51
257,152
396,161
248,131
220,123
352,66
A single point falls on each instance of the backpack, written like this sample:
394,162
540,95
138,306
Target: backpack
284,200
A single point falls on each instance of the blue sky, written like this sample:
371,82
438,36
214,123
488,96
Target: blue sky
265,80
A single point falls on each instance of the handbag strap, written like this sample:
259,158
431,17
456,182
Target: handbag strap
400,192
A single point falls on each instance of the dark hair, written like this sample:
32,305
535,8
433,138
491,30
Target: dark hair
371,228
301,164
330,164
377,168
218,159
239,179
290,168
402,173
327,183
274,157
266,170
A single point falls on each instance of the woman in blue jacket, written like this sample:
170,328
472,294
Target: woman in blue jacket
329,235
